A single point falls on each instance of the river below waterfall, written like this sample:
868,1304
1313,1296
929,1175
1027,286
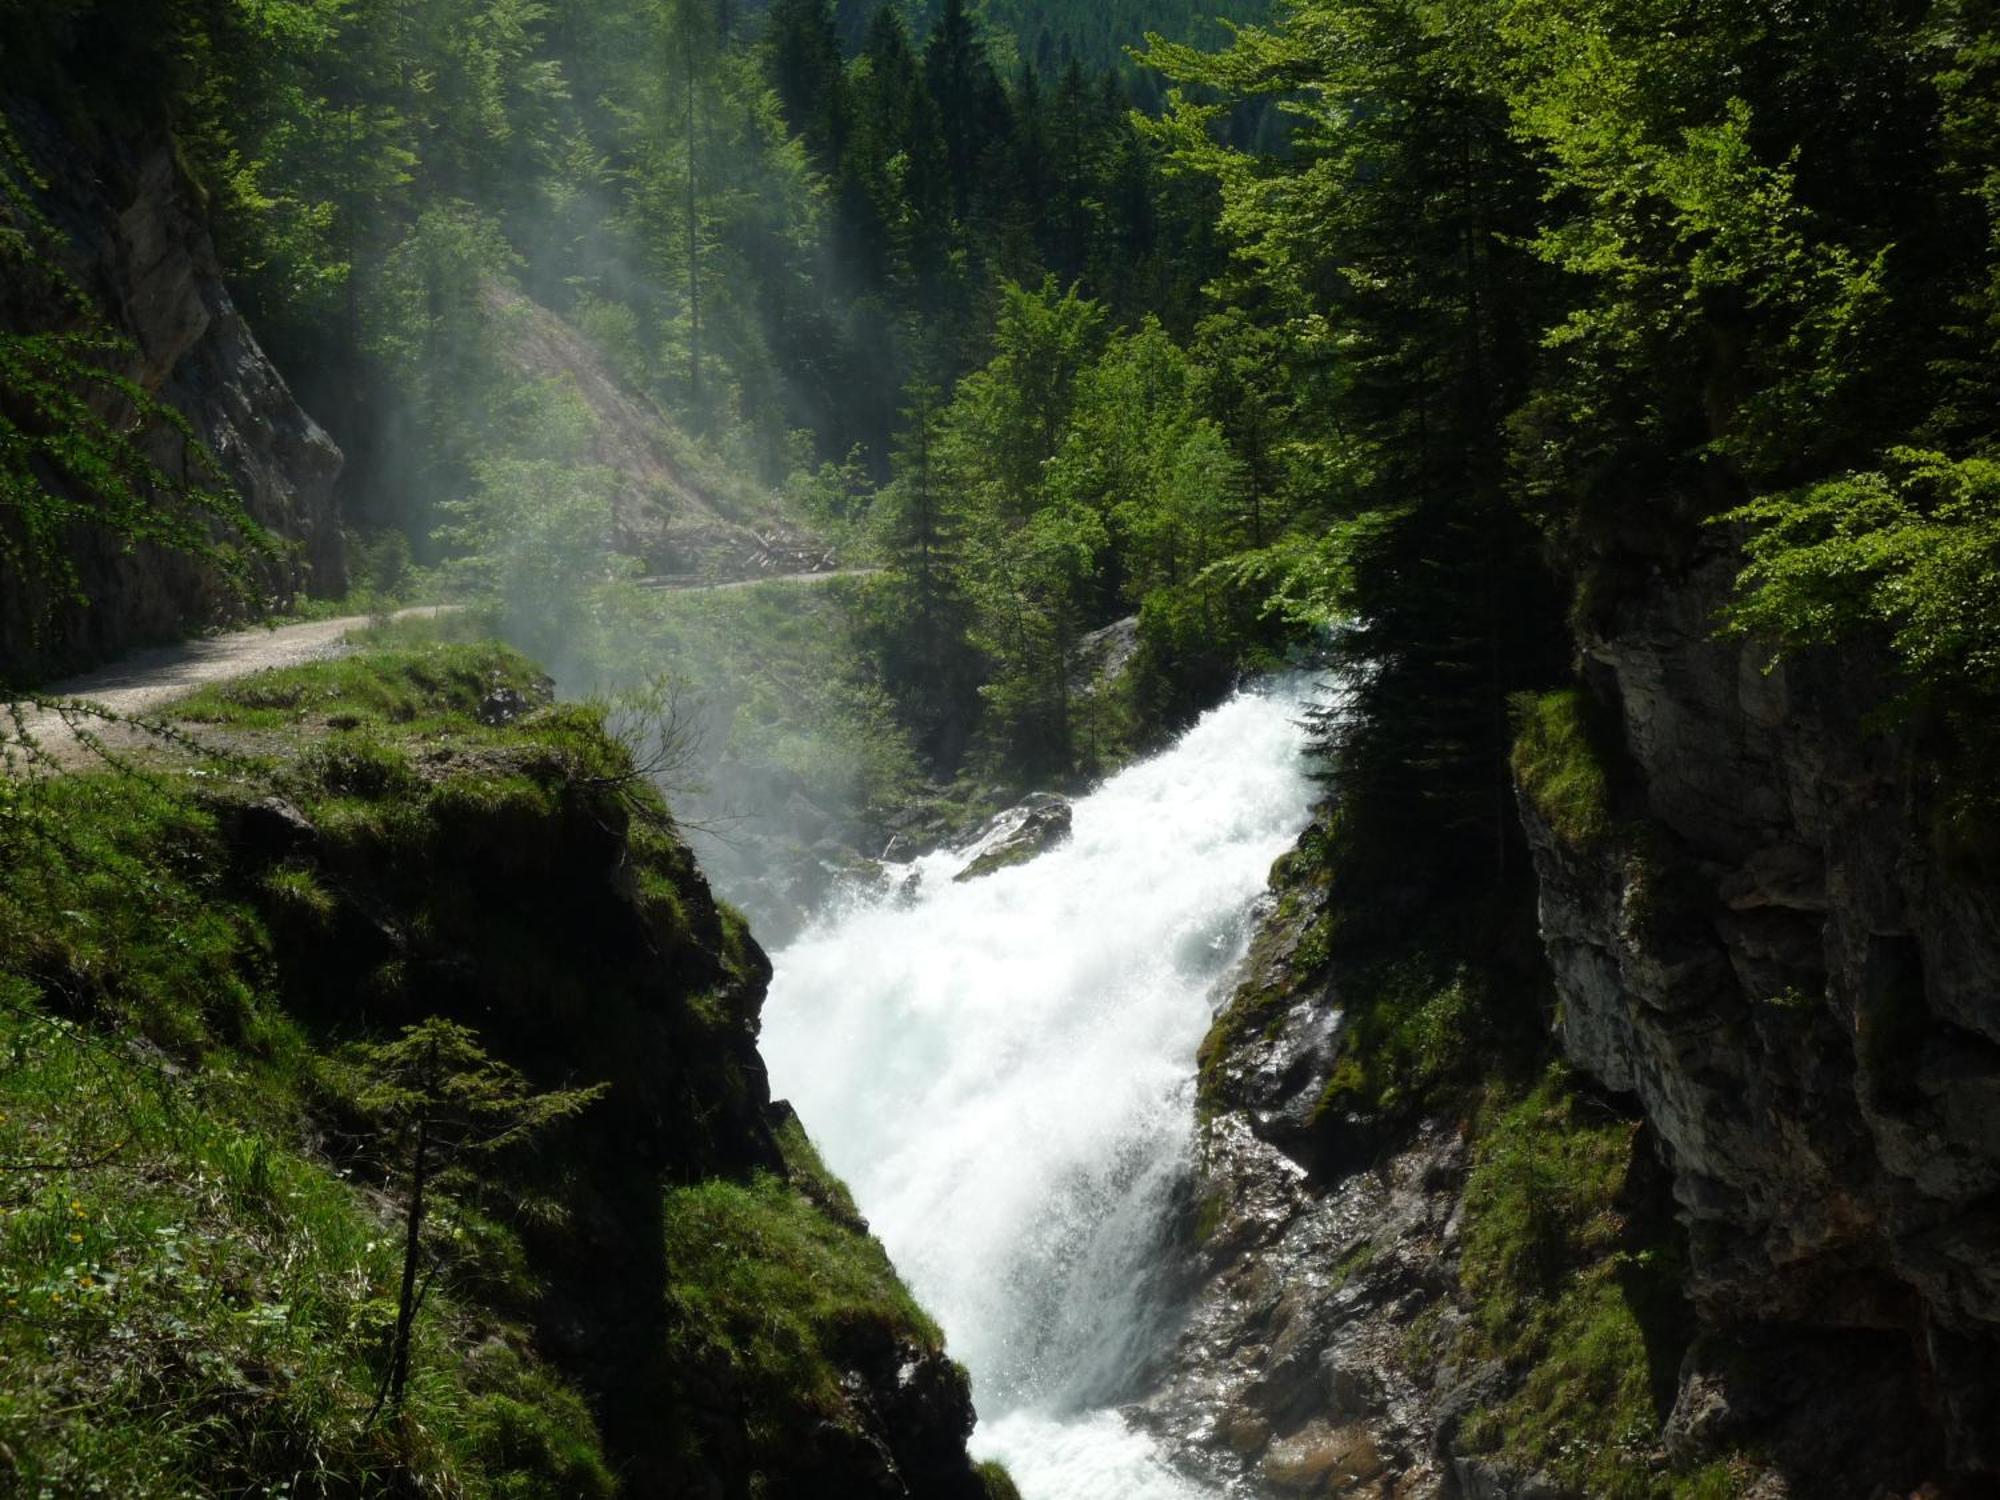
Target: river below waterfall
1003,1071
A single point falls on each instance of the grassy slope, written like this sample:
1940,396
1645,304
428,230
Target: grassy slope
198,1247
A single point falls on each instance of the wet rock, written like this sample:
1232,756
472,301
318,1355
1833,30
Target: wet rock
1323,1460
1351,1390
1104,656
1034,826
1483,1479
1291,1354
1247,1434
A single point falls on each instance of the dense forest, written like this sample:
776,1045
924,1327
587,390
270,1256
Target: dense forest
1416,340
1526,301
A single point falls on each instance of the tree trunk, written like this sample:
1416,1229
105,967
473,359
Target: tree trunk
693,236
406,1310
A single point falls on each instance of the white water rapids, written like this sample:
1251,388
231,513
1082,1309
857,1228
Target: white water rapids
1003,1071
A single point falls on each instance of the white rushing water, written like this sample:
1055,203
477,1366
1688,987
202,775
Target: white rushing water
1003,1072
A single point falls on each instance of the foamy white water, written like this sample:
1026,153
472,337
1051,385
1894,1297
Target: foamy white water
1003,1071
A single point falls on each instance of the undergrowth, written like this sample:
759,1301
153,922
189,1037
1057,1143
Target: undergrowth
783,1291
196,1300
1576,1295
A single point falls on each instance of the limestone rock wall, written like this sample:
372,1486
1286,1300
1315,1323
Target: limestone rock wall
1804,997
134,236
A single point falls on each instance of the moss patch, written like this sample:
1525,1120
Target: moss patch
762,1279
999,1483
1560,763
1411,1030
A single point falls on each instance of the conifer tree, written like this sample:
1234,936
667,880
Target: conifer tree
444,1104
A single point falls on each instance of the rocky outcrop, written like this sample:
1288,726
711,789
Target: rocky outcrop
1773,957
1764,952
1035,825
132,234
1288,1377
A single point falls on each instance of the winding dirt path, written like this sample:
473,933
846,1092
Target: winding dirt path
146,681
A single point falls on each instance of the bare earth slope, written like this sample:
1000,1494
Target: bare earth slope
676,519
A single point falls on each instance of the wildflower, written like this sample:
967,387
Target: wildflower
76,1239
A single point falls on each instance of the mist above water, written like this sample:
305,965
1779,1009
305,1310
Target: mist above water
1003,1071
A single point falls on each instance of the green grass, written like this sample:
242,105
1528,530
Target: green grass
999,1483
1560,764
1411,1030
195,1306
771,679
763,1280
414,687
809,1174
196,1301
1565,1292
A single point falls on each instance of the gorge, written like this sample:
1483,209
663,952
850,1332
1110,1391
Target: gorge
1000,749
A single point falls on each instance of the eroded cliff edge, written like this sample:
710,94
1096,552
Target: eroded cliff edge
1779,948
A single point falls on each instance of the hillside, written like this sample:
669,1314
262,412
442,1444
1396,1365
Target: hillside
201,962
675,514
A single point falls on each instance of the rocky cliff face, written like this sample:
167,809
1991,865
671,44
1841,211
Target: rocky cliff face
1802,992
1290,1375
1774,982
135,238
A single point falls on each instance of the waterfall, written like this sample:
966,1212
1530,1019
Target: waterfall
1003,1071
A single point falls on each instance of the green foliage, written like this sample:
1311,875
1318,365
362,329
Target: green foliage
1559,763
781,693
207,1030
441,1098
1560,1290
780,1293
999,1484
1305,579
536,534
166,1229
419,690
1910,553
1411,1039
436,1073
